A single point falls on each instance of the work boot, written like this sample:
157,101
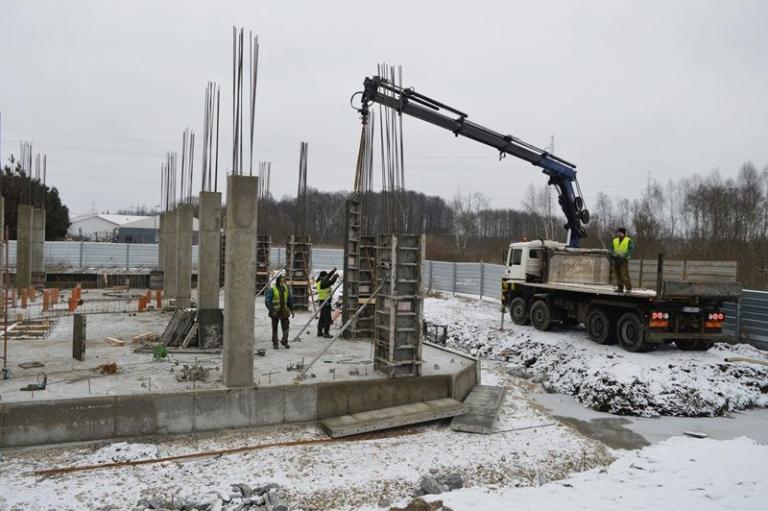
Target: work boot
274,343
619,289
284,342
319,333
327,335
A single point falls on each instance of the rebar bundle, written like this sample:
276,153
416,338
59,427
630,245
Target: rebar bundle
301,196
187,166
210,179
32,176
238,50
168,182
265,179
392,158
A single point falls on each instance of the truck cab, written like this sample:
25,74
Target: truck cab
525,259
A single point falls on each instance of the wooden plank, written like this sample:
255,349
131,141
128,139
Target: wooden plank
114,341
673,288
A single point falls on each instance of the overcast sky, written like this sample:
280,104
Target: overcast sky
627,89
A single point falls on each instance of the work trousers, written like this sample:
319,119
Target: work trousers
621,274
324,323
284,324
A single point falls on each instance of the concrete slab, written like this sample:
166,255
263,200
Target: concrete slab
392,417
483,403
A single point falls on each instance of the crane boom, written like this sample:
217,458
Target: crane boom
562,174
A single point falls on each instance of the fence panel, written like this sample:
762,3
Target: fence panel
749,319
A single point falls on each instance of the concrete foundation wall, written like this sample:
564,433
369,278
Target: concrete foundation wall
98,418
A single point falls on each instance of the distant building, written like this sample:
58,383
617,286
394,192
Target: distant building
99,226
145,230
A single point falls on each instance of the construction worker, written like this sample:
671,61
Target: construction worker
279,303
622,250
324,286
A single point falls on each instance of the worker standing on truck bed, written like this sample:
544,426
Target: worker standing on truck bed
622,250
279,303
324,285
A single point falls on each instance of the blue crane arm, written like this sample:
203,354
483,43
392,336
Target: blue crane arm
562,174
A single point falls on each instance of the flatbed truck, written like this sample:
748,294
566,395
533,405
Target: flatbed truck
549,285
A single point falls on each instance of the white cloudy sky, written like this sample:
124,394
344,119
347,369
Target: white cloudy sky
626,88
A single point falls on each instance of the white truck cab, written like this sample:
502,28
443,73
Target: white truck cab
524,258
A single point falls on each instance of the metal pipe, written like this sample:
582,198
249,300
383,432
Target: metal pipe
303,373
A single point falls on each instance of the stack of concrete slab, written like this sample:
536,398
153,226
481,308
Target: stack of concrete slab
483,404
392,417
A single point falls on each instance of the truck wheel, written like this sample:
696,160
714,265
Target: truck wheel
601,326
630,332
518,311
541,315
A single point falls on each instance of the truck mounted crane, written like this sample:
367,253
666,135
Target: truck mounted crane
562,173
551,284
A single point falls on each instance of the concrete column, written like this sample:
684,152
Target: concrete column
38,241
169,275
184,215
2,253
209,250
240,272
24,247
160,243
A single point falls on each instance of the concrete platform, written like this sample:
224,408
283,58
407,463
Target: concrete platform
144,397
392,417
483,404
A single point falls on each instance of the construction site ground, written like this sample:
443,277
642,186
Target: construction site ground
141,373
547,451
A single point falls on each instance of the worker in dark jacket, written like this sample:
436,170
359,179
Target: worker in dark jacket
324,286
622,250
279,303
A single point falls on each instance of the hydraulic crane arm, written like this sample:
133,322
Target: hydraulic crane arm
562,174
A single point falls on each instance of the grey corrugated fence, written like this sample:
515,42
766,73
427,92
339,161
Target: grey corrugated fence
76,255
747,319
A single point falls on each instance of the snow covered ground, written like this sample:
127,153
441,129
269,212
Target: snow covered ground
674,474
529,446
532,461
666,381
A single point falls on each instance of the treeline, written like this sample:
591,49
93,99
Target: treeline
17,188
708,217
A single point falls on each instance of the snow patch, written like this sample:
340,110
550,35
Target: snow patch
666,381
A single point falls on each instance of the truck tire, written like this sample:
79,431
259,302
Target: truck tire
601,326
630,332
518,311
541,315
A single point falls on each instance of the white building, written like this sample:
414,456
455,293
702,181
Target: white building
99,226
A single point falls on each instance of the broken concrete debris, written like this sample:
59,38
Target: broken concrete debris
243,497
436,483
193,373
419,504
